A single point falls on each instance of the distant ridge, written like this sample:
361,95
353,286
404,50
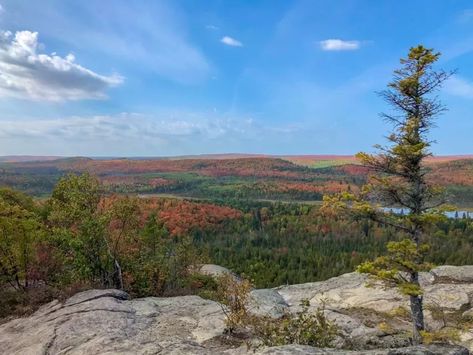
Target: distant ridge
27,158
296,158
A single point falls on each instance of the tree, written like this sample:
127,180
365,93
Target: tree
149,268
77,229
122,227
399,179
19,232
74,199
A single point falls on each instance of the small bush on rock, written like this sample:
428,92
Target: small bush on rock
234,295
306,327
443,336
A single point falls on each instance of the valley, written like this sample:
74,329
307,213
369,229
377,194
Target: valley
221,177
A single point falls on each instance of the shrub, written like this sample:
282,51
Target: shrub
234,295
400,312
306,327
444,335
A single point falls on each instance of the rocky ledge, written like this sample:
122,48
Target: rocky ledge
371,320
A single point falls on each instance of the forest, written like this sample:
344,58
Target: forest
83,236
290,178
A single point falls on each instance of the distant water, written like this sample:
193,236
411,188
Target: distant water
452,214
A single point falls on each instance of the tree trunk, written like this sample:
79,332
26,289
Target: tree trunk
417,313
118,275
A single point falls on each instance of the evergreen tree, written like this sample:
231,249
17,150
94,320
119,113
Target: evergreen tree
399,179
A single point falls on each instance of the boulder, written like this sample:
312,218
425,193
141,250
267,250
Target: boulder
449,297
344,292
453,274
214,270
268,303
293,294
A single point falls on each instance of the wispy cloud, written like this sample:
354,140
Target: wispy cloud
229,41
129,126
165,133
211,27
339,45
458,86
27,74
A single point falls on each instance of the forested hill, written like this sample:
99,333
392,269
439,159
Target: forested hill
288,178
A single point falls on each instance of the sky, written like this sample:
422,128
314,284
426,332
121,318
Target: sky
161,78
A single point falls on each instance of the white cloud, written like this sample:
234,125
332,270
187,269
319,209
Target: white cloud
458,86
125,126
159,44
211,27
339,45
25,73
164,133
229,41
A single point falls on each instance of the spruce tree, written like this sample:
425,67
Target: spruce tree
399,179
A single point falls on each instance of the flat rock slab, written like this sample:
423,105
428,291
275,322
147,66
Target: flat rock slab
413,350
108,322
453,274
104,322
343,292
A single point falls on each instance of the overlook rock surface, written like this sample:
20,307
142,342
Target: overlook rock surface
371,320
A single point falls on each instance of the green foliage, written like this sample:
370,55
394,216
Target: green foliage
399,179
205,286
401,260
78,229
74,199
164,264
20,232
306,327
73,247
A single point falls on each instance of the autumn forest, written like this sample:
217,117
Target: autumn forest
78,219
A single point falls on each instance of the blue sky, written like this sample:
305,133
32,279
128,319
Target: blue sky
152,78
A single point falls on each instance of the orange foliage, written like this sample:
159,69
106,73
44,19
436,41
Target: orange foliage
257,167
458,172
353,169
181,217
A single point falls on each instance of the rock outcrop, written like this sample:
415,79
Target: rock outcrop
214,270
411,350
105,322
371,320
267,303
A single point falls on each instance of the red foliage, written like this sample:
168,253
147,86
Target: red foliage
258,167
180,216
185,216
353,169
458,172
